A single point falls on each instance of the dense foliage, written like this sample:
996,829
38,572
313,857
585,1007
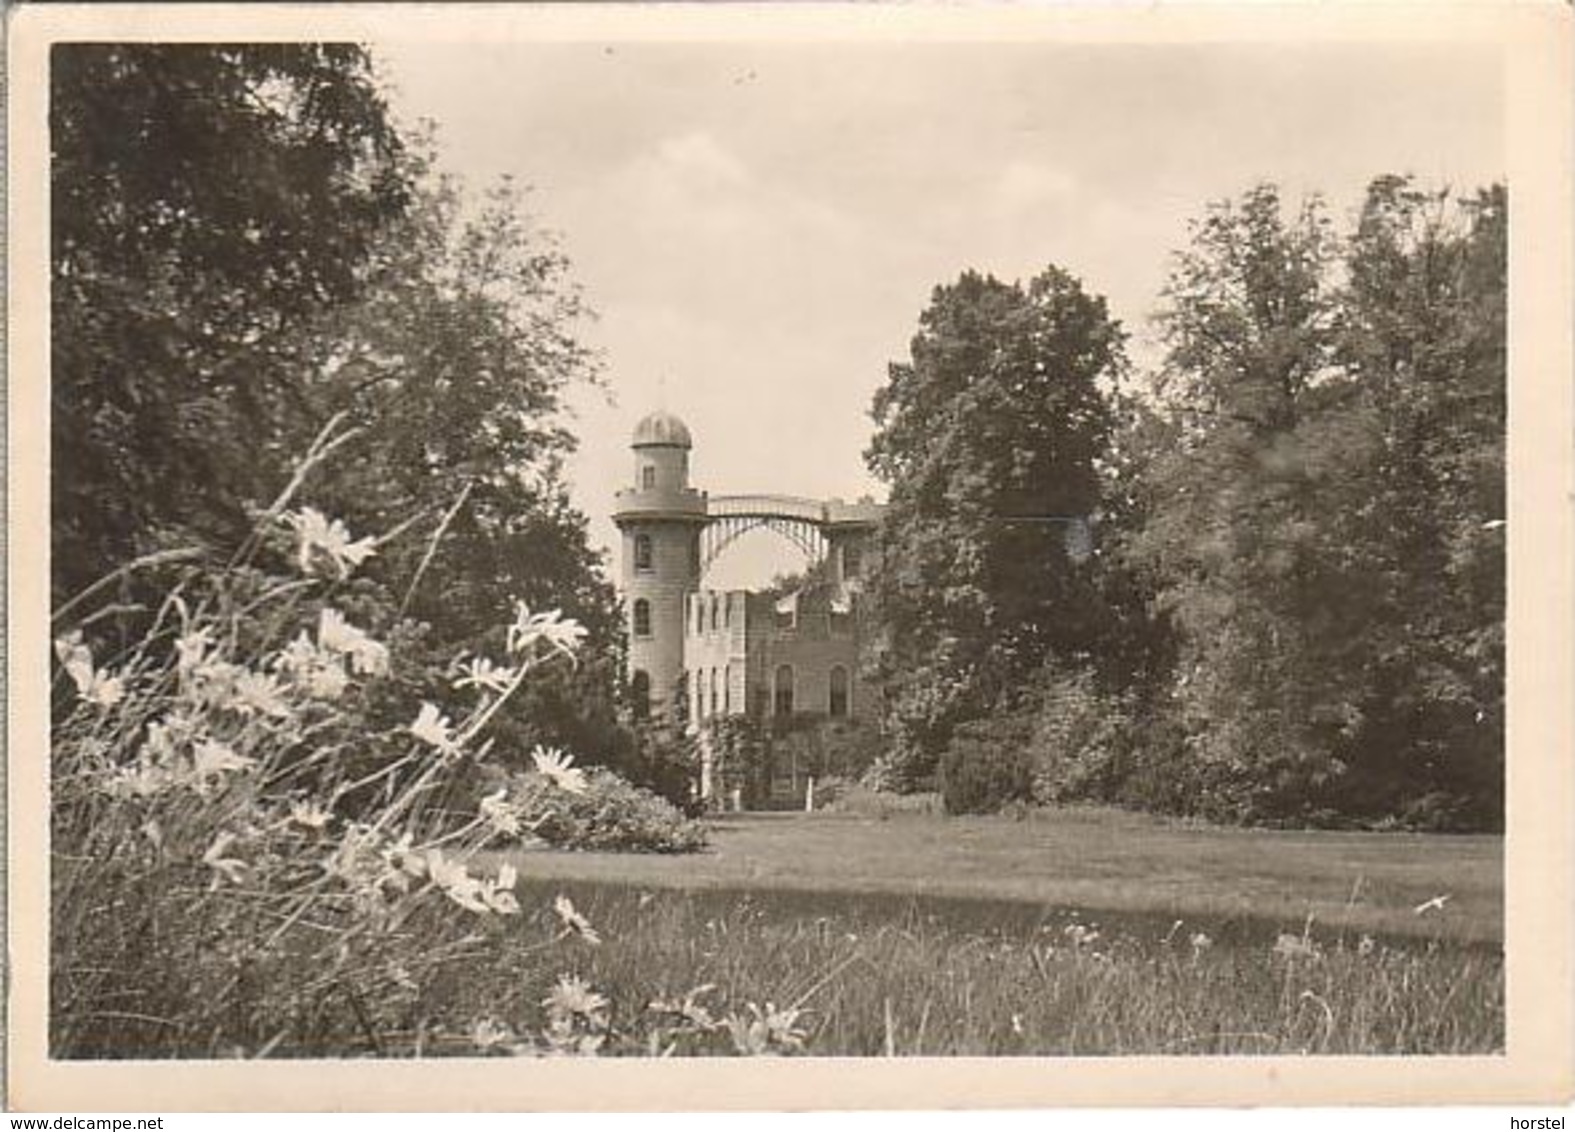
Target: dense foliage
989,437
1295,613
986,765
453,367
245,248
1326,521
206,203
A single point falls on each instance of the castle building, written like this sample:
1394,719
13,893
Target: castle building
698,654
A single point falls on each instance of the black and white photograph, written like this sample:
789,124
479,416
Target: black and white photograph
889,534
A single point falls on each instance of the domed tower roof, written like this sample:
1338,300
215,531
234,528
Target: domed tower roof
662,429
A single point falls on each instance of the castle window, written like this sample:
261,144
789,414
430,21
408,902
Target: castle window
713,691
727,689
699,614
839,691
784,700
648,477
640,693
852,561
644,556
714,613
642,617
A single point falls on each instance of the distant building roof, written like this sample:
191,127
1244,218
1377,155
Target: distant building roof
661,429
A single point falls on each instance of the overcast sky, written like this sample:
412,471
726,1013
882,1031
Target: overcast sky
759,225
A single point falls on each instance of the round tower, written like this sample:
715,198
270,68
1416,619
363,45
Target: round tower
661,518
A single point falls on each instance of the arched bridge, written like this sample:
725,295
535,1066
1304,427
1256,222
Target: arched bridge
809,524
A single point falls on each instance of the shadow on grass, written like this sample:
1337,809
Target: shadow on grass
991,917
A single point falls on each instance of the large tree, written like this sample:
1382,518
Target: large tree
1423,342
244,247
988,437
453,367
206,202
1320,519
1235,531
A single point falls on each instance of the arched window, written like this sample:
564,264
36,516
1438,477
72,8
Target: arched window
727,689
713,691
839,691
699,600
714,613
644,556
784,702
648,477
642,617
640,693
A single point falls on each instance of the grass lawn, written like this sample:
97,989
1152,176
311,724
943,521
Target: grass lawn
1081,932
1074,932
1093,860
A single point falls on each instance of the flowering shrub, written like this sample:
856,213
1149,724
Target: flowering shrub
561,805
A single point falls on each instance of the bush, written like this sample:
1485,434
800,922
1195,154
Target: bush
665,760
986,765
1078,741
1161,774
591,809
860,798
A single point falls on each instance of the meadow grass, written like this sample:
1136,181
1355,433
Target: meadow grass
1072,932
875,975
787,964
1104,859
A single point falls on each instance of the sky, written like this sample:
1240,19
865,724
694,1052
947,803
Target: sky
759,225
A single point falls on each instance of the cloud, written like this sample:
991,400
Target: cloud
694,162
1026,185
688,221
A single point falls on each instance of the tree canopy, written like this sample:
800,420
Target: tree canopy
1296,610
207,202
1323,529
246,247
989,438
